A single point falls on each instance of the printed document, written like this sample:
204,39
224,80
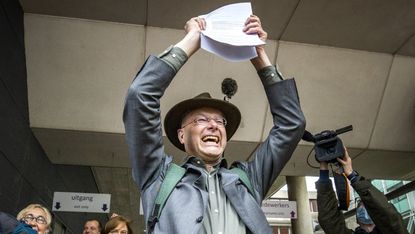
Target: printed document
224,36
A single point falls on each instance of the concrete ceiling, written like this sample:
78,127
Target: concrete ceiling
354,63
379,26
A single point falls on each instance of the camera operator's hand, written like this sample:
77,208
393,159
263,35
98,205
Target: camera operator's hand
324,166
346,162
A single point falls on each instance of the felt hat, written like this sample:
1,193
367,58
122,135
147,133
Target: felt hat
174,117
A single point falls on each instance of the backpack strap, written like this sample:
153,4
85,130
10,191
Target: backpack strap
244,178
173,175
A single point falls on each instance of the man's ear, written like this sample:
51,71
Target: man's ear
180,135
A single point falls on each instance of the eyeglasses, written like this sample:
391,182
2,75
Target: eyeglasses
203,120
30,218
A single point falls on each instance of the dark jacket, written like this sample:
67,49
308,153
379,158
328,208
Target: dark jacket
383,214
184,210
10,225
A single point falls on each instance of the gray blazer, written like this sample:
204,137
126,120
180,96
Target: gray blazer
184,210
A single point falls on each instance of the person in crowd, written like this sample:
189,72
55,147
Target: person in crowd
118,225
374,214
209,198
36,216
92,226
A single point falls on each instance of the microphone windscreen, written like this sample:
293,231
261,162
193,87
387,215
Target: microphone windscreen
229,87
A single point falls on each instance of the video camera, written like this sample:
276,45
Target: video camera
328,145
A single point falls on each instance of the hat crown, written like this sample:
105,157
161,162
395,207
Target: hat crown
203,95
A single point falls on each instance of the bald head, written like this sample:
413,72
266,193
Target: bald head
92,227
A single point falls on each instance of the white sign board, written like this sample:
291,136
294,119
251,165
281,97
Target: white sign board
81,202
279,209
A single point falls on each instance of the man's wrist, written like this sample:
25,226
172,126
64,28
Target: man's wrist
324,166
347,171
190,43
261,60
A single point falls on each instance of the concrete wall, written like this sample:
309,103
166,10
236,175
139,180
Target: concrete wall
27,175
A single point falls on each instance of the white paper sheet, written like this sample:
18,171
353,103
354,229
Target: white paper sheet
224,36
226,51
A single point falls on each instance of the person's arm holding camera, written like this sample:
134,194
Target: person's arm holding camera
384,215
330,218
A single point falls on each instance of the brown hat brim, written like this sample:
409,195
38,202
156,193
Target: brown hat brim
174,117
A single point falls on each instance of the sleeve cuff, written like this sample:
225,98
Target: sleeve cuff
324,175
270,75
353,177
174,57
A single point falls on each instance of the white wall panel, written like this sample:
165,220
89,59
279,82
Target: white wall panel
395,126
79,71
337,87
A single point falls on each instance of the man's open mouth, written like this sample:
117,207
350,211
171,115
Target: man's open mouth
210,138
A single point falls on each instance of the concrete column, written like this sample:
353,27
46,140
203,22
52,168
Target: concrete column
297,191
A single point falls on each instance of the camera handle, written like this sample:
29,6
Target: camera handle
343,130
